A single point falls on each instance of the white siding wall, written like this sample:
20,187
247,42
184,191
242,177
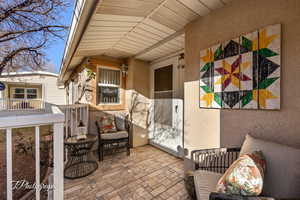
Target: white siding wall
51,93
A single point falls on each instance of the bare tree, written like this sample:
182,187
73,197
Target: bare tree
27,27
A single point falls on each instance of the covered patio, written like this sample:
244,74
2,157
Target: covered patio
128,58
197,79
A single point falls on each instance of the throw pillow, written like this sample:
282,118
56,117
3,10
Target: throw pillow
120,123
282,180
245,176
108,124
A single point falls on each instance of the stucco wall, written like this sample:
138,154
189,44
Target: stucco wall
242,16
137,80
138,77
137,87
201,127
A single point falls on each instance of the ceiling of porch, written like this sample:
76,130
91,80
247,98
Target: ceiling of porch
147,29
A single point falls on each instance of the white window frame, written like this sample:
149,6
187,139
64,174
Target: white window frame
108,85
25,92
14,92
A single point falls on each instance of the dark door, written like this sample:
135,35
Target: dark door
167,132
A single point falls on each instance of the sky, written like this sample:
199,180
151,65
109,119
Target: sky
55,51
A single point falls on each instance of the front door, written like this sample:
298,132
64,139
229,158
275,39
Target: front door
167,129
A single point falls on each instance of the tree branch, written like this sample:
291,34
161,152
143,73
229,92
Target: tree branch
12,10
20,33
23,24
32,11
13,53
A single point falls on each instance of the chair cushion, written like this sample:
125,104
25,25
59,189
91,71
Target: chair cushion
205,183
282,178
115,135
107,124
245,176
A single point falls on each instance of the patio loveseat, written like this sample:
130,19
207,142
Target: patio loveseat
282,178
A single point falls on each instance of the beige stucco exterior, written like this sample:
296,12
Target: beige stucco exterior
138,83
138,76
242,16
135,81
201,127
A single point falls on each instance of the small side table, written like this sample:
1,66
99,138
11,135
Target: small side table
80,161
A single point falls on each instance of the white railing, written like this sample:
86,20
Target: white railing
21,104
54,117
74,114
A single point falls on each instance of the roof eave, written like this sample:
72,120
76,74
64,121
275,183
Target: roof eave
84,9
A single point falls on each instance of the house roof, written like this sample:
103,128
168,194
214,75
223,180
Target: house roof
29,73
144,29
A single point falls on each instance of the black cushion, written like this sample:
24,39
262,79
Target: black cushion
221,196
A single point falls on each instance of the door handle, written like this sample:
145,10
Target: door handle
176,108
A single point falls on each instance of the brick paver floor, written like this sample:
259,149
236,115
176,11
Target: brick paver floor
148,173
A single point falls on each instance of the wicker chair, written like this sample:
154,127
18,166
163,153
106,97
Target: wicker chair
214,160
209,165
110,143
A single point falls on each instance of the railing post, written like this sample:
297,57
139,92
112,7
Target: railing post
9,163
58,161
87,116
72,121
37,162
43,104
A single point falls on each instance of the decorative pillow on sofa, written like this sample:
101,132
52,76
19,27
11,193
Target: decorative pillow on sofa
108,124
282,180
245,176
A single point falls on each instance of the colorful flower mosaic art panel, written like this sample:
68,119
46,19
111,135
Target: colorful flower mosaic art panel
242,73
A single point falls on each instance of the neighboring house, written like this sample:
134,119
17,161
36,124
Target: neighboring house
31,90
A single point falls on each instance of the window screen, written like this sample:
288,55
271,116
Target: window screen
109,86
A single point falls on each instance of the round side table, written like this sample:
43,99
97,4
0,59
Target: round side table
80,161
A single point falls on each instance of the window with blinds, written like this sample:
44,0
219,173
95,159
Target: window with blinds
109,86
